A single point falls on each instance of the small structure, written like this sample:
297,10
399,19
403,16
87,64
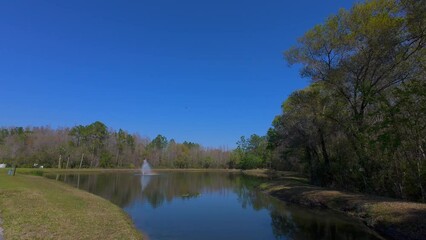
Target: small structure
2,165
12,171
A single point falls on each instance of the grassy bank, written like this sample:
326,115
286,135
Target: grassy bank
33,207
392,218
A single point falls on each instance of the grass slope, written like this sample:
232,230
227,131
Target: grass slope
34,207
392,218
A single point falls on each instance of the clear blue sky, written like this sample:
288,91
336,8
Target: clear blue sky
205,71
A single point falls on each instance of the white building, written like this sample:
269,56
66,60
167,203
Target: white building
2,165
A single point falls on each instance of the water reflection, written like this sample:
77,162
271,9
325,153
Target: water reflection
211,205
145,179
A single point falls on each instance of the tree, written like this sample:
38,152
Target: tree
361,55
97,134
250,153
159,142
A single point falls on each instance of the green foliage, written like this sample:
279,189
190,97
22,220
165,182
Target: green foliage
105,160
250,161
94,145
207,162
181,162
250,153
159,143
191,144
360,124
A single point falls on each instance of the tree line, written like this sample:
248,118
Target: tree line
95,145
361,123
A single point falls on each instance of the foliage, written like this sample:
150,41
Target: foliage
250,153
94,145
361,124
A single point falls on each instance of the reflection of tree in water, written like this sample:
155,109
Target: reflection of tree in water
118,188
283,225
290,222
299,223
124,188
287,222
247,196
166,187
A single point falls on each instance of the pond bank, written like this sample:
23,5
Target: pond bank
392,218
33,207
1,230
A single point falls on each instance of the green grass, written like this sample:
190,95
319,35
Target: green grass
33,207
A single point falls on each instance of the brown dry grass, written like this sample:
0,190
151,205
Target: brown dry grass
391,217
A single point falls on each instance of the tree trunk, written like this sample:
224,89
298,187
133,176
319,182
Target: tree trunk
326,158
68,161
419,173
309,159
116,158
91,160
60,161
81,160
419,176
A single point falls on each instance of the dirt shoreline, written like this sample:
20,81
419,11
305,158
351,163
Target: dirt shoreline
391,218
1,230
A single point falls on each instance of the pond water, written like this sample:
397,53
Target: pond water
211,205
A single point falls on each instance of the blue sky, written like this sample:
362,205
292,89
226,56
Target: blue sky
205,71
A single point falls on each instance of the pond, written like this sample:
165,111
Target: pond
211,205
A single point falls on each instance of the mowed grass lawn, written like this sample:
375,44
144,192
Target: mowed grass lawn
33,207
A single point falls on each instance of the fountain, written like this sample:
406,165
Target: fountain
146,174
146,168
